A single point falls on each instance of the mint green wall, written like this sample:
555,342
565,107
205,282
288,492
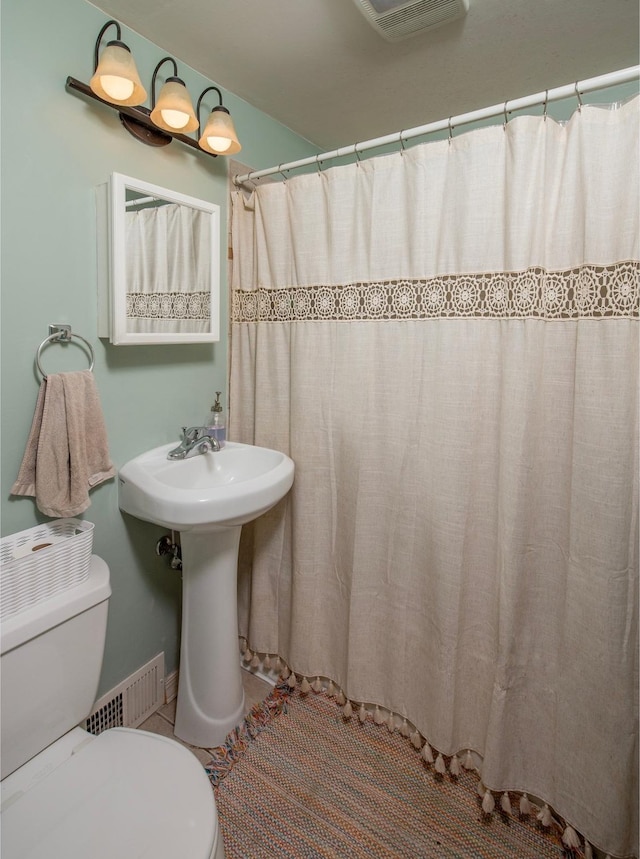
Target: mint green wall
56,147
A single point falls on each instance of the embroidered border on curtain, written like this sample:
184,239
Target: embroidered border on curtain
587,292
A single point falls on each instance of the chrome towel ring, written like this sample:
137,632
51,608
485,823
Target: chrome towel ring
61,334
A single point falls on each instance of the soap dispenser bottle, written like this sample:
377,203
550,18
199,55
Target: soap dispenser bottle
216,427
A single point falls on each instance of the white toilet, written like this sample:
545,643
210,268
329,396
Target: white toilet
67,794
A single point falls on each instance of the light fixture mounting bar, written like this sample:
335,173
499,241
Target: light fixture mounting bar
139,114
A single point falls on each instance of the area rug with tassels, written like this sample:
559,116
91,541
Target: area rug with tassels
302,779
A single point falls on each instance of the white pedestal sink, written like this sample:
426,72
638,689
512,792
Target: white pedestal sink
208,498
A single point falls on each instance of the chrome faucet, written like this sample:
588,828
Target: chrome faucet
194,440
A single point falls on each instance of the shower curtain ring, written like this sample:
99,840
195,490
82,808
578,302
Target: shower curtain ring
578,97
506,120
280,171
356,153
546,101
402,146
450,132
318,163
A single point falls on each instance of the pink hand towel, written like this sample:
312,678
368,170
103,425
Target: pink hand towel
67,452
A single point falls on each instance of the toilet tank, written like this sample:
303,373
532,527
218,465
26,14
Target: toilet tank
50,662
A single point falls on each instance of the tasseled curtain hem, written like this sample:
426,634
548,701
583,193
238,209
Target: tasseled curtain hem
575,845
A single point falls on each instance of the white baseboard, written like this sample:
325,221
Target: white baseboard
269,678
171,687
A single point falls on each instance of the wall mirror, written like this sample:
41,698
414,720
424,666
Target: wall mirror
158,265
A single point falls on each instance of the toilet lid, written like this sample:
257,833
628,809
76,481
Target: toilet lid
125,793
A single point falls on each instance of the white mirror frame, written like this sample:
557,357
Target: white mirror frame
112,283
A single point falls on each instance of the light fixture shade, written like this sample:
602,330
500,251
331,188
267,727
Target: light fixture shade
174,110
116,79
219,136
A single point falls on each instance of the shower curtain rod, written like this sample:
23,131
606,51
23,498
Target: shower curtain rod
575,89
139,201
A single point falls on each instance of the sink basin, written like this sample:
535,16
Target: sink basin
207,491
208,498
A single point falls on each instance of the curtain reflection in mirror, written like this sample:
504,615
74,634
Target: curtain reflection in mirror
168,269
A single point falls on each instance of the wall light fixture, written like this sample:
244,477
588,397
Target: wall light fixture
219,136
173,111
116,83
115,76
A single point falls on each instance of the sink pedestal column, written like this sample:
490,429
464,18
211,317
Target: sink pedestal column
210,693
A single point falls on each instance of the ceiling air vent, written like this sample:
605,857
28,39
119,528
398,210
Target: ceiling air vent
398,19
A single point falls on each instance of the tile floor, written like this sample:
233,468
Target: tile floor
161,722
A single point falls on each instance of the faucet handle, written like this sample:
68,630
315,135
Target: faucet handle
191,434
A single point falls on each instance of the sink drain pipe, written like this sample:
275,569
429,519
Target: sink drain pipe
167,545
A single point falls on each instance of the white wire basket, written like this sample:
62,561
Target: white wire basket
40,562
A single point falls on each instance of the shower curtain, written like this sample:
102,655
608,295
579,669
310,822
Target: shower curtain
168,270
445,341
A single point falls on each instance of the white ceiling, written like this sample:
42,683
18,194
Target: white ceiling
318,67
